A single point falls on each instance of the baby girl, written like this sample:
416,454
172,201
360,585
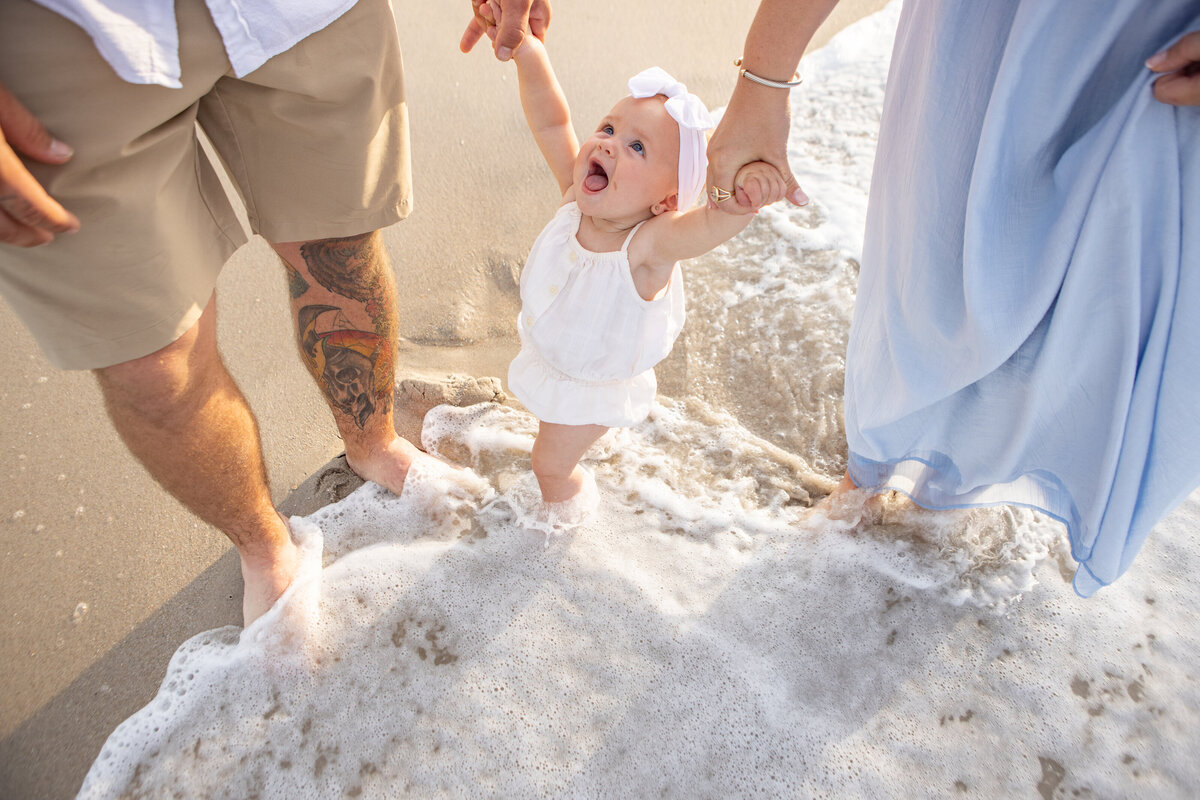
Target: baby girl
601,291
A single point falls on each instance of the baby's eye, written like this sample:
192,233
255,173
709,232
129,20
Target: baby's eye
608,129
638,147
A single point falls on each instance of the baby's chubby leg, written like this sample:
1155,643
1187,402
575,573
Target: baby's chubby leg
556,454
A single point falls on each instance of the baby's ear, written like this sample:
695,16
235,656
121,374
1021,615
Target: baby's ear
669,204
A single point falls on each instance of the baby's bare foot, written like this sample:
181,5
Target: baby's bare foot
573,511
560,490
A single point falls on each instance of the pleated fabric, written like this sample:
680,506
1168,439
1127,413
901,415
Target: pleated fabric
1027,327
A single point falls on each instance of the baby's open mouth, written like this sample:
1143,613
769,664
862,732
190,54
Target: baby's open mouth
597,178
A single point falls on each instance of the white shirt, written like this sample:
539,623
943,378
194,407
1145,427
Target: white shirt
139,38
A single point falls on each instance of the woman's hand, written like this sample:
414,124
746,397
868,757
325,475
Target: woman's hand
754,128
1180,85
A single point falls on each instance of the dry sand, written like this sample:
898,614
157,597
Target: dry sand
103,574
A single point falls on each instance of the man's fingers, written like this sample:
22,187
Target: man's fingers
539,18
476,28
24,200
28,215
507,41
512,26
26,134
471,36
1177,56
505,22
41,212
18,235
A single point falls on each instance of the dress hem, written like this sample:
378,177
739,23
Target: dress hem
928,479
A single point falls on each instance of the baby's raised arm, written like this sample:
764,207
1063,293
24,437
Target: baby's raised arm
546,110
676,236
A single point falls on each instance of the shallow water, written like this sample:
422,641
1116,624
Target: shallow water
707,632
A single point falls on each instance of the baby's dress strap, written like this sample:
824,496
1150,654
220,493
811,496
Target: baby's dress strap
625,244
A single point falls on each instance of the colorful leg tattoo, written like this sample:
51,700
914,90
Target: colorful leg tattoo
353,367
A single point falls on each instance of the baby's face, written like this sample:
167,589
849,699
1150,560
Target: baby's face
631,162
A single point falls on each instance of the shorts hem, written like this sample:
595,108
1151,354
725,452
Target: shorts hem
108,353
308,231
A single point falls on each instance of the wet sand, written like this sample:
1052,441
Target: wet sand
104,575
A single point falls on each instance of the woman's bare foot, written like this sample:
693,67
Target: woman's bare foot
872,508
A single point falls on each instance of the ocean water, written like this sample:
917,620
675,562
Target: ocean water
709,631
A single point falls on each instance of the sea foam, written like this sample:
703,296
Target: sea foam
700,636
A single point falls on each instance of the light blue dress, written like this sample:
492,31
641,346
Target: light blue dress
1027,328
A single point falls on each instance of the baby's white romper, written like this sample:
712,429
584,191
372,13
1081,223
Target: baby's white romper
589,342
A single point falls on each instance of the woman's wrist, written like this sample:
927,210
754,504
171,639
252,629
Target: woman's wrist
763,76
751,97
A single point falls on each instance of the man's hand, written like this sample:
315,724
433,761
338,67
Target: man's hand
513,18
1180,86
28,216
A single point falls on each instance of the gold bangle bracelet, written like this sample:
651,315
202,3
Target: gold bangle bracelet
748,75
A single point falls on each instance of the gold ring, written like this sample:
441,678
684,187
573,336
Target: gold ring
718,194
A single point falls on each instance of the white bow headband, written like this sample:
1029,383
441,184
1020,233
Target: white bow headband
693,119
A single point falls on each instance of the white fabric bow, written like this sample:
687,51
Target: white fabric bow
693,120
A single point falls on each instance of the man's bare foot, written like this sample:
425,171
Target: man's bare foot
265,576
388,465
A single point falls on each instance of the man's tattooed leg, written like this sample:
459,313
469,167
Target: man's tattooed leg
344,302
345,362
345,320
297,286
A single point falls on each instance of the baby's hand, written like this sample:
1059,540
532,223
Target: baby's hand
758,184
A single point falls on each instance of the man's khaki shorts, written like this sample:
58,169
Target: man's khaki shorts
315,140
